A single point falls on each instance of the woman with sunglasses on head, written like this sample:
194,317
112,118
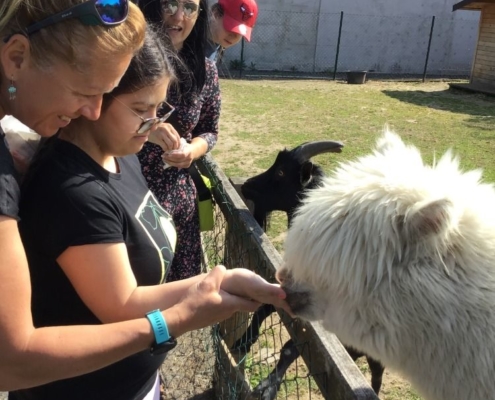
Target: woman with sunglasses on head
196,99
106,257
52,71
57,59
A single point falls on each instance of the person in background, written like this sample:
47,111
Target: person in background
197,103
57,60
230,21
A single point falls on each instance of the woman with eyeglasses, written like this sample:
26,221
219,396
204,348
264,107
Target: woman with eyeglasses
57,60
196,99
101,249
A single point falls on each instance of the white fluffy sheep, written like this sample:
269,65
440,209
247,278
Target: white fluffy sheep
397,258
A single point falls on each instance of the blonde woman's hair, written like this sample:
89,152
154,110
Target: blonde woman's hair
7,11
70,41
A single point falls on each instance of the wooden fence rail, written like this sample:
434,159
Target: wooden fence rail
336,375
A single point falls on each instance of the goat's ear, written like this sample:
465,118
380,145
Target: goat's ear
306,173
427,219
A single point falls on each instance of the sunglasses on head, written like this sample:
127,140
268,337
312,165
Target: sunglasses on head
149,123
189,8
92,12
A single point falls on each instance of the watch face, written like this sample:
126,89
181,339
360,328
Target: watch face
163,347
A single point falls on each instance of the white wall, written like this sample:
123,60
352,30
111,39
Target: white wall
369,7
388,36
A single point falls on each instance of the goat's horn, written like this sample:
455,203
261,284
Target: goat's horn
307,150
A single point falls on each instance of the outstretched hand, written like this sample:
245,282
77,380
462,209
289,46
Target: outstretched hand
245,283
206,303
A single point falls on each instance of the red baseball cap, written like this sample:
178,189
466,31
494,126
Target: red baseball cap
239,16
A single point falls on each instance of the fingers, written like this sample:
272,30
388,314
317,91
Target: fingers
242,304
274,290
249,285
178,160
284,306
213,280
165,136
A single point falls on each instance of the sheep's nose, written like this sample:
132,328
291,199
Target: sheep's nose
282,275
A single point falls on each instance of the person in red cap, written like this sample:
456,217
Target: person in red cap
231,20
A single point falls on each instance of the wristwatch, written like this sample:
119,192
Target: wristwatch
163,341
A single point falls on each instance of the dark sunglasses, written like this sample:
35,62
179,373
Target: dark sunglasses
149,123
170,7
92,12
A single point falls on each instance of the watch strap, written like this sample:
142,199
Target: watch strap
159,326
157,349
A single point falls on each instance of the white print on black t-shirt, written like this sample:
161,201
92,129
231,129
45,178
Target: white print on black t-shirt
152,216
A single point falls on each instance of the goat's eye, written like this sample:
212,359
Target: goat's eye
280,172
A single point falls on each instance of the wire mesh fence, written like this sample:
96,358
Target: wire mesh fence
329,44
255,356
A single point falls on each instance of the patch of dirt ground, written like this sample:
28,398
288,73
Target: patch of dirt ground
187,373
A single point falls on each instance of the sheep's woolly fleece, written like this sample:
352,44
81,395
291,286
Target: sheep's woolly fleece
397,258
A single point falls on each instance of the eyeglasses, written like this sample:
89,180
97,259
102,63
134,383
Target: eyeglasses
92,12
190,9
149,123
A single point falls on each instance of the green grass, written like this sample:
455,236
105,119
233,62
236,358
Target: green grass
260,118
293,386
257,372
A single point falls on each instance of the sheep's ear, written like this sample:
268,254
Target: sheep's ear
427,219
306,173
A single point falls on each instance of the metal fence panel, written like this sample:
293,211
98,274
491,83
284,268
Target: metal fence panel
308,43
324,369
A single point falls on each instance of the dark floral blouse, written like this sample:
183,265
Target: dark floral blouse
174,188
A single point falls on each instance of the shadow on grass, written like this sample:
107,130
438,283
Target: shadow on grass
479,107
452,100
484,124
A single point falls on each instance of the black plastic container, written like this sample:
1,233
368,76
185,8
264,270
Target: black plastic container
356,77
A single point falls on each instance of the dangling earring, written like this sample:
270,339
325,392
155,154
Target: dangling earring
12,89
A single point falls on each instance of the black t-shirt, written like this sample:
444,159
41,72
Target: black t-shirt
9,186
70,200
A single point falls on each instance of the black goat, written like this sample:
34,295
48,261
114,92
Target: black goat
281,188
